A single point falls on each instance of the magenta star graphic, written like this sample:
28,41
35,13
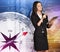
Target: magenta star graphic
10,41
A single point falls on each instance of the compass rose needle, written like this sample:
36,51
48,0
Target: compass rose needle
9,41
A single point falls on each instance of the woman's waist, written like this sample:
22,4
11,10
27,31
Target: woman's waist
36,29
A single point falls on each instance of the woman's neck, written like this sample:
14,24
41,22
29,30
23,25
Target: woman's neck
38,12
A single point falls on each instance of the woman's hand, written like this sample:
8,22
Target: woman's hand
44,16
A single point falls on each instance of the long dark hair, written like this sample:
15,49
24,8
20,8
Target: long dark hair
34,8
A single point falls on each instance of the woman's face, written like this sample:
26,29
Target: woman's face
39,7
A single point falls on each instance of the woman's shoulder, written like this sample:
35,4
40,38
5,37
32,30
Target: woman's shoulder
33,15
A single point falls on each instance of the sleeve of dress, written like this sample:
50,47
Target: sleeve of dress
34,21
47,22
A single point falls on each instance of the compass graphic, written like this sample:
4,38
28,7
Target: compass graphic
15,33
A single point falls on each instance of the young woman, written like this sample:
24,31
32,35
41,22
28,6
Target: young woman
40,22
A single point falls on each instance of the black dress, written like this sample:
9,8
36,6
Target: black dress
40,33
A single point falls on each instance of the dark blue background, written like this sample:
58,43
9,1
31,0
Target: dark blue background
24,6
